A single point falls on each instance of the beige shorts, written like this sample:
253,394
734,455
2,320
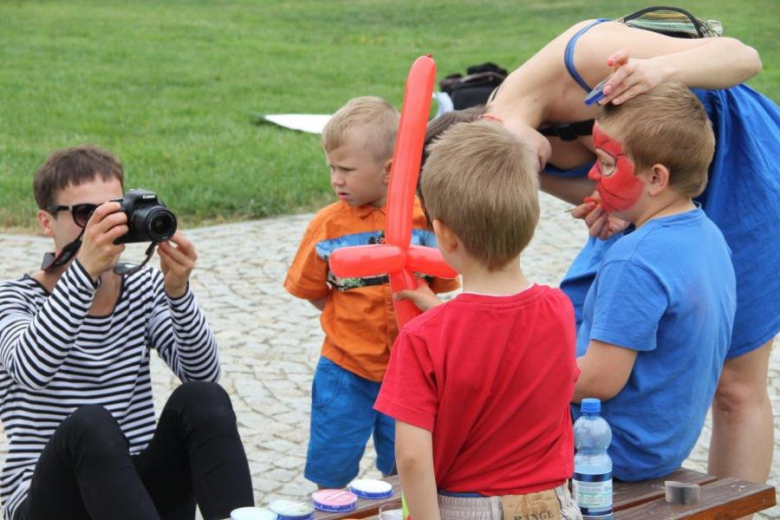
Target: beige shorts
552,504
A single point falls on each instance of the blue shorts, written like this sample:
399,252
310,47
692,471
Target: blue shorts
342,420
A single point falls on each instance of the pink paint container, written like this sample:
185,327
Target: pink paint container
334,500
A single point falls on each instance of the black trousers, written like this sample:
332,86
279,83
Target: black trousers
86,471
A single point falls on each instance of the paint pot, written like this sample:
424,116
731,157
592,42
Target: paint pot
292,510
252,513
371,489
334,500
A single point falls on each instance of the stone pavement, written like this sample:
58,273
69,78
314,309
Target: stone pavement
270,342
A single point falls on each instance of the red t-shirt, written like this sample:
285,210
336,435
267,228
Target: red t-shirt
491,377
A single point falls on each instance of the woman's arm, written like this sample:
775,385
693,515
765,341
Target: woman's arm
712,63
570,189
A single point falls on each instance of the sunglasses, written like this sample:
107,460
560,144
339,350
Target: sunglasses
80,212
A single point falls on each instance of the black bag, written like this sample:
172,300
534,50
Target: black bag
672,21
474,88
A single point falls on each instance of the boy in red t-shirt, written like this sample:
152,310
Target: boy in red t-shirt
480,386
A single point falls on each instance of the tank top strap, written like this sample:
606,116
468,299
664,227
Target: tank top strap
568,56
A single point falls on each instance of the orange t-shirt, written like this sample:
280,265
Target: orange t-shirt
358,318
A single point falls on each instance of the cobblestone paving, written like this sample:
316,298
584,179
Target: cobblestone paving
270,341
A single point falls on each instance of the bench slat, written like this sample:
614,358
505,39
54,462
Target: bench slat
631,494
723,499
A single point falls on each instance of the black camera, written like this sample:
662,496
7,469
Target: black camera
147,217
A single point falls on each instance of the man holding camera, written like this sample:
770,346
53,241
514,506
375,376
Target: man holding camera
75,384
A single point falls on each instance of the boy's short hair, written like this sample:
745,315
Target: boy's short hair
482,182
666,125
74,166
434,130
371,119
442,123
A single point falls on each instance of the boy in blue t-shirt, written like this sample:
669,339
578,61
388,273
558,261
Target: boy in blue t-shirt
658,318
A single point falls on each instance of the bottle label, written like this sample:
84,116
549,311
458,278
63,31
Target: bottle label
593,493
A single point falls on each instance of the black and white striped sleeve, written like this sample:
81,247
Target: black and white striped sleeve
180,333
33,345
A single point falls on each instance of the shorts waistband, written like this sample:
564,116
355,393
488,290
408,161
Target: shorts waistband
474,506
459,494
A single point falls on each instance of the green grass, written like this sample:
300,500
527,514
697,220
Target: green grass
170,86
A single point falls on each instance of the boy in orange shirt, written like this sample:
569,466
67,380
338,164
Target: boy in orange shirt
357,313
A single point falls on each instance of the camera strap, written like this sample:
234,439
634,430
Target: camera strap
127,268
52,261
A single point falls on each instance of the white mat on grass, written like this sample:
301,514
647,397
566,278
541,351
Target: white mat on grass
314,123
311,123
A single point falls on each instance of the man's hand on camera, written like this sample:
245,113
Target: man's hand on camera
98,253
177,258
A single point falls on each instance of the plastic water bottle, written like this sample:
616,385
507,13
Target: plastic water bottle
592,481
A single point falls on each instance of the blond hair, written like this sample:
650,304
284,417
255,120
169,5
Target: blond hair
666,125
481,181
371,120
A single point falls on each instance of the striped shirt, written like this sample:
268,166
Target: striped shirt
55,357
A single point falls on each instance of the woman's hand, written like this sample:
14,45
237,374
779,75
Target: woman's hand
630,78
600,223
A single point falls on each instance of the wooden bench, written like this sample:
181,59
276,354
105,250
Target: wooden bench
720,498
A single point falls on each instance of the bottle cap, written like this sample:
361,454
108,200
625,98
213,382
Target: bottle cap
291,510
371,489
590,405
334,500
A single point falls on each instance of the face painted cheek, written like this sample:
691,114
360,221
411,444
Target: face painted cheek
619,188
622,189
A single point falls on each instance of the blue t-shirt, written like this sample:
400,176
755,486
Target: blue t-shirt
743,199
668,291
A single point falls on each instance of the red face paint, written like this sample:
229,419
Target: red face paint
618,187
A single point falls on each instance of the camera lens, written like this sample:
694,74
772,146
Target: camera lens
161,225
154,223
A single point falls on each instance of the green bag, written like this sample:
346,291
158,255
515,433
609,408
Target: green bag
673,21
